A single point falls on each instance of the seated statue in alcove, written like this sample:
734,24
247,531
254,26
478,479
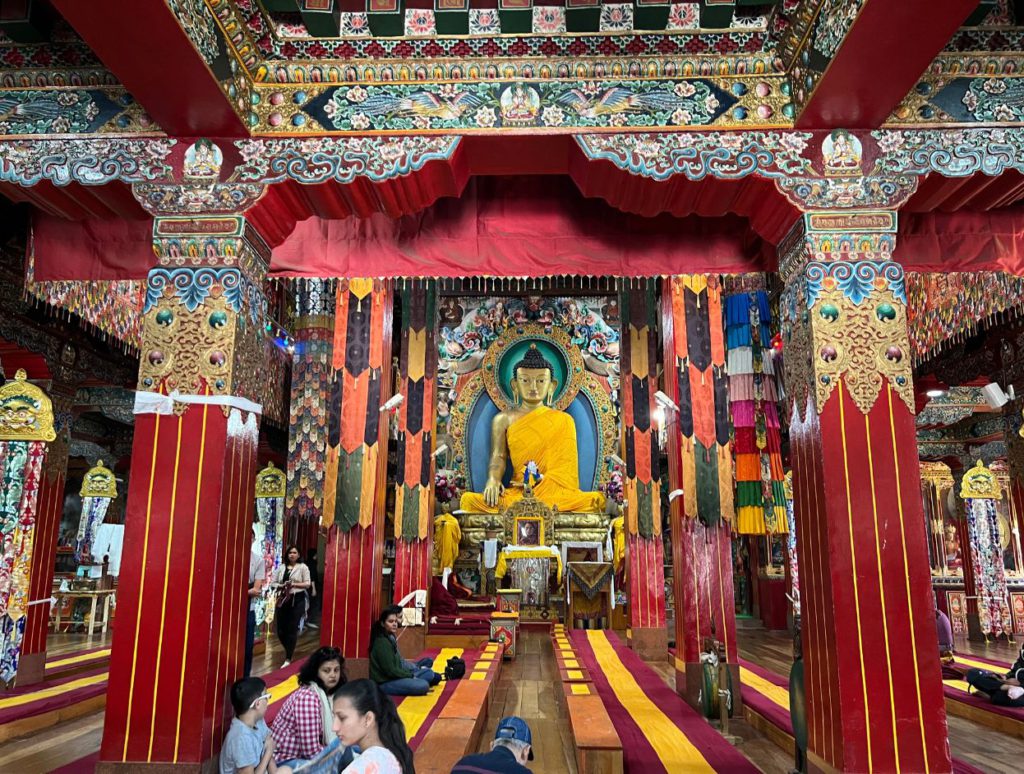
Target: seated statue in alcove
532,431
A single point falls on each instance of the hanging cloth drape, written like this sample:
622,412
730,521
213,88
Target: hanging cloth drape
753,392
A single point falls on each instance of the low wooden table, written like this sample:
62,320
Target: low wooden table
92,594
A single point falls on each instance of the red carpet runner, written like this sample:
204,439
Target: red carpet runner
659,731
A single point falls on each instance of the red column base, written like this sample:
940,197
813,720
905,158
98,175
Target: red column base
690,683
31,669
649,643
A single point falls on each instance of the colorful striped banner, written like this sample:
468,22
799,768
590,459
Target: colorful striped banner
644,552
414,501
356,464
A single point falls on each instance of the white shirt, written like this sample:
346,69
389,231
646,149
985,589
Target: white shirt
257,571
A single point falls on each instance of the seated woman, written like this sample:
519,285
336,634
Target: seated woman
395,675
1005,691
303,728
365,718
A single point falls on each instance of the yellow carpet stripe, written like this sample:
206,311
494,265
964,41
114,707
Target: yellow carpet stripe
414,709
56,690
771,691
78,659
283,689
676,752
1001,669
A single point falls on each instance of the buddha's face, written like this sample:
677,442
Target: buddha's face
533,384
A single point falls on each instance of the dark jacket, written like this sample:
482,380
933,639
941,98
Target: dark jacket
386,661
500,760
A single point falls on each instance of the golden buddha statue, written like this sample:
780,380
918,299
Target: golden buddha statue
532,432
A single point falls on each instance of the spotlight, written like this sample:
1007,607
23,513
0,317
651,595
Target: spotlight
392,403
616,459
440,450
674,494
935,393
994,395
665,401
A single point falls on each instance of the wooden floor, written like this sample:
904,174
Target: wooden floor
972,743
75,739
526,688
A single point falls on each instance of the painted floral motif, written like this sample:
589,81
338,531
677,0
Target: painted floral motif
616,17
420,22
200,26
481,325
728,155
683,16
995,100
94,161
488,104
355,24
317,160
484,21
834,20
548,19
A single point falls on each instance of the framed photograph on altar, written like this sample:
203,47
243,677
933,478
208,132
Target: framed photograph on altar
529,531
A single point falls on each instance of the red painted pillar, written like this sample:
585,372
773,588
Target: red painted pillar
414,495
701,466
179,639
356,468
49,510
873,685
307,426
645,553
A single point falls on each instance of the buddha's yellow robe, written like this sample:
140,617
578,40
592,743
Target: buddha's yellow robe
548,437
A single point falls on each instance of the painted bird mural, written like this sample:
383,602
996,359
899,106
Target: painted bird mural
420,103
18,110
621,100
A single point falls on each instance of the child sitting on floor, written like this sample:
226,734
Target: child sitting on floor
249,747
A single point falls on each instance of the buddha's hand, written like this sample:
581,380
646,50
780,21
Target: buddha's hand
492,492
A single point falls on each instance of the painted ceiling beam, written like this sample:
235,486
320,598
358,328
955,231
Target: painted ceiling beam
154,59
877,62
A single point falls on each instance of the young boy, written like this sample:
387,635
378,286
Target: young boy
249,746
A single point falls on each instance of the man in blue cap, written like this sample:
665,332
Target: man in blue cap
511,748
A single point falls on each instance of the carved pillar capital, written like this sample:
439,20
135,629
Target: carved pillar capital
204,312
844,309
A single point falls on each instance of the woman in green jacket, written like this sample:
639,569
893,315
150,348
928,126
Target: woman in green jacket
395,675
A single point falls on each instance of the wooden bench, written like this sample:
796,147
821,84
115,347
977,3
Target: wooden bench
598,747
597,743
456,732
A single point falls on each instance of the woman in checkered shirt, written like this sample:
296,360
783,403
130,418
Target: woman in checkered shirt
303,728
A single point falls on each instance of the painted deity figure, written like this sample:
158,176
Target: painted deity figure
532,431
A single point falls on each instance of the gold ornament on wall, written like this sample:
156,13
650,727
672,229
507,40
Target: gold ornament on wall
980,483
99,481
270,482
26,413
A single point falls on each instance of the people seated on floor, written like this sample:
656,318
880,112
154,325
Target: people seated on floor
365,718
249,746
303,728
511,749
945,631
395,675
1005,691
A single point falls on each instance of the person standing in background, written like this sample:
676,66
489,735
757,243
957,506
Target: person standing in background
292,582
257,576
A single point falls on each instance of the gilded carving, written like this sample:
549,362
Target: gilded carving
99,481
861,344
529,508
26,413
270,482
980,483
